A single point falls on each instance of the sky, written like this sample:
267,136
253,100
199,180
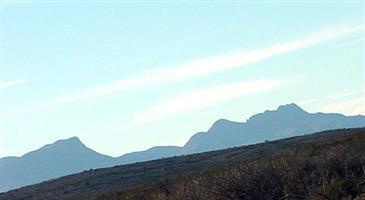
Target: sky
126,76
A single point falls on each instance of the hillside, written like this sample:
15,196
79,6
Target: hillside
70,156
320,164
51,161
286,121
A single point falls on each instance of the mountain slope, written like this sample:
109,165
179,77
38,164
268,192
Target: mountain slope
71,156
163,177
51,161
287,120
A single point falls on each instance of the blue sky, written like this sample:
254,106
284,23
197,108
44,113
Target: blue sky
127,76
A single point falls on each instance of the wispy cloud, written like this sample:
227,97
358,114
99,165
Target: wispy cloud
351,42
333,97
203,98
354,106
8,84
344,94
202,67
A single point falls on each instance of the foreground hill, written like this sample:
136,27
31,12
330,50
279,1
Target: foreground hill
71,156
326,165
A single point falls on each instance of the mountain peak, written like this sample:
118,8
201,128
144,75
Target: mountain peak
221,124
288,112
292,107
71,140
70,143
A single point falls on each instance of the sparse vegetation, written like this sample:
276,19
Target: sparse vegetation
324,166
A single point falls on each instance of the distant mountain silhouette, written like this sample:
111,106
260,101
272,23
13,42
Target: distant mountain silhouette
150,154
194,175
70,156
288,120
51,161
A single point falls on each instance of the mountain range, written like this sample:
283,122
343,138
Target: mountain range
311,166
71,156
